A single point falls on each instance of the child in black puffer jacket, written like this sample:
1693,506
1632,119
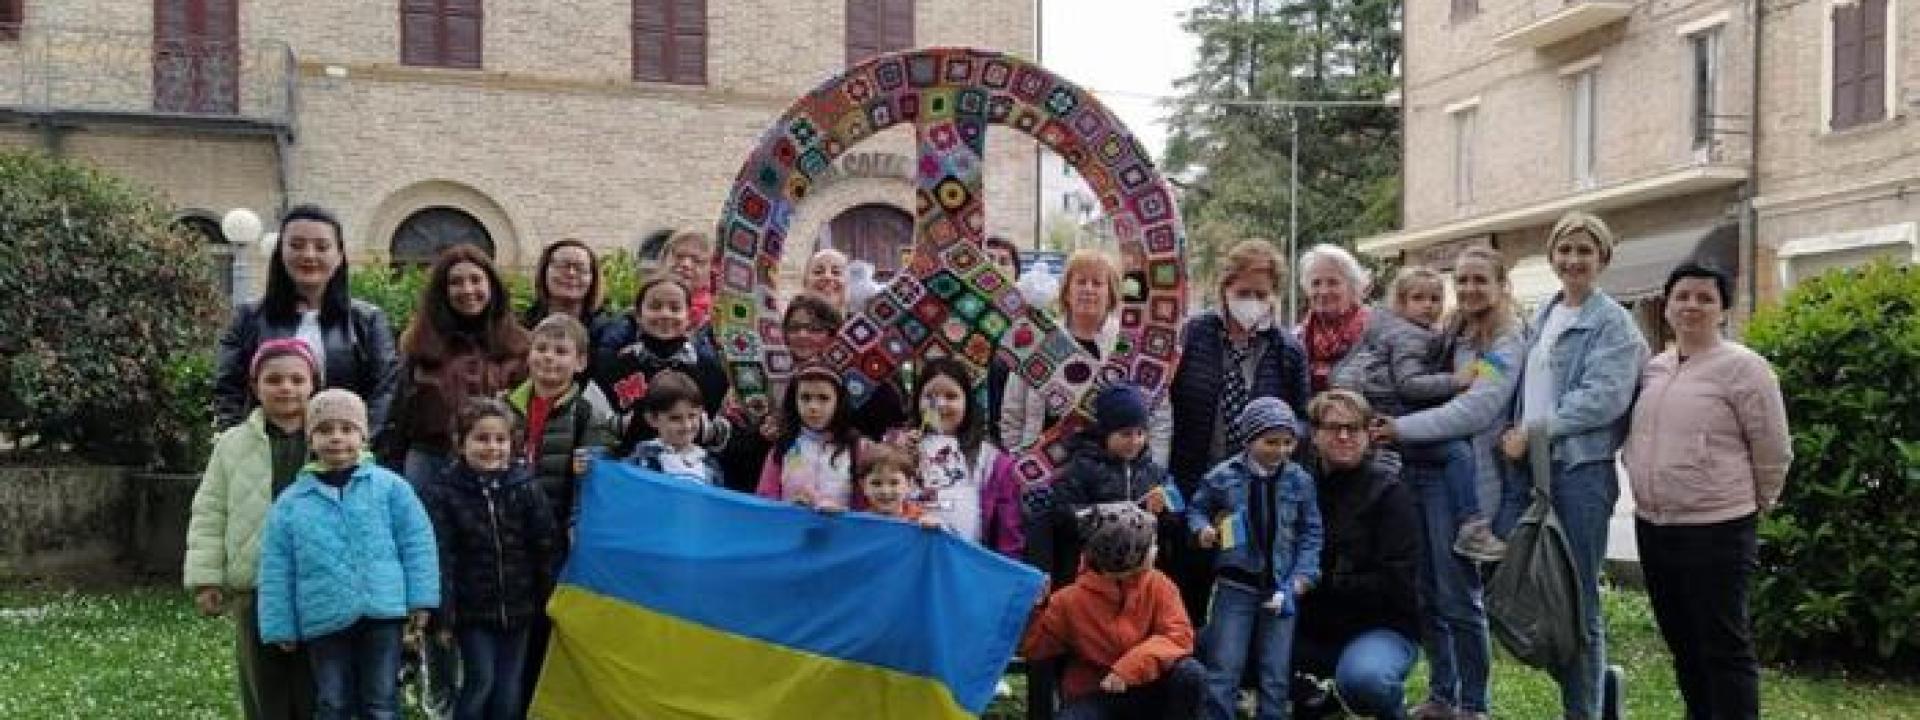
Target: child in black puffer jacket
497,542
1109,464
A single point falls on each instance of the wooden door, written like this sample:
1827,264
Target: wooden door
879,234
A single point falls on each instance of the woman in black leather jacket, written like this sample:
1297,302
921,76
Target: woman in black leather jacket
307,298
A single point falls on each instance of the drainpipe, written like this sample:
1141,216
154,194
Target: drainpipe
1749,215
1039,151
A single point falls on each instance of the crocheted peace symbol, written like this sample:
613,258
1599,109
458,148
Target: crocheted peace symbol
949,301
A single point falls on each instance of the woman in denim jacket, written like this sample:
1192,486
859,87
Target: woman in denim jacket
1576,384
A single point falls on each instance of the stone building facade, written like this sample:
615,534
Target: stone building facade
1774,139
1516,111
420,120
1839,180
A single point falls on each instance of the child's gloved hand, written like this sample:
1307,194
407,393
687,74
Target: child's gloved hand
209,601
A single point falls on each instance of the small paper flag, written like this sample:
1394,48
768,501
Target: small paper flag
1232,528
1170,494
1490,367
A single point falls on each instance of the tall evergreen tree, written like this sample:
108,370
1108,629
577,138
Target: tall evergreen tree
1231,136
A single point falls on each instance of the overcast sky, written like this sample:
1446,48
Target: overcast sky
1127,52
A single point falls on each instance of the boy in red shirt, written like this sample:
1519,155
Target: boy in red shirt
1128,642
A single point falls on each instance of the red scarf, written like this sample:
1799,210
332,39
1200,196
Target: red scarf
1329,337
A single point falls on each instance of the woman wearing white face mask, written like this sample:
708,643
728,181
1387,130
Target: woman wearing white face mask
1229,358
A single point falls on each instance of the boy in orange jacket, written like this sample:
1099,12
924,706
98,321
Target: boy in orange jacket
1128,642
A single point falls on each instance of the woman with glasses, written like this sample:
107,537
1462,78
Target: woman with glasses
1359,624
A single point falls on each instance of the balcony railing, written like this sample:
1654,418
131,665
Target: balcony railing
108,75
1539,23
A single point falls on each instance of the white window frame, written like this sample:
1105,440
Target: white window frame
1890,97
1701,119
1896,234
1583,104
1466,126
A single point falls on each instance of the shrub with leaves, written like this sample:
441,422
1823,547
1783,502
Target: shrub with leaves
100,294
1840,558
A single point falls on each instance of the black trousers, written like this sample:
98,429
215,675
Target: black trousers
1697,579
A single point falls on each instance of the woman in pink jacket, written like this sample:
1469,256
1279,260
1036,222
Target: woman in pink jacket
1707,453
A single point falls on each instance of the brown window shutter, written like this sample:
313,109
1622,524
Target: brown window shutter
896,25
420,32
652,41
1846,66
1872,78
463,23
12,16
863,30
689,42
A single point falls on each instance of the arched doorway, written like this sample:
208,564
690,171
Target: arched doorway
425,233
877,233
219,251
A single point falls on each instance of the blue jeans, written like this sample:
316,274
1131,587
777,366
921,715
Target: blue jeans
437,685
1236,623
1459,656
492,663
1454,458
1583,497
355,671
1369,670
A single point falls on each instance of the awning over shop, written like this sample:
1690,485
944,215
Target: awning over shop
1640,265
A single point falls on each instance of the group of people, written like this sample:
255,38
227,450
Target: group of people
1307,502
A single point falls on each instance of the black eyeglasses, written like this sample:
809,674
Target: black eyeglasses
1341,429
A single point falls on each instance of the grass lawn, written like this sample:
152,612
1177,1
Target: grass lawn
142,653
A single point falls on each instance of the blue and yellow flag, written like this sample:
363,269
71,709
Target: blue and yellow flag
688,601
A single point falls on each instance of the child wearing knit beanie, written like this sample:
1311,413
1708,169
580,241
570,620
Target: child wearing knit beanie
348,565
1258,508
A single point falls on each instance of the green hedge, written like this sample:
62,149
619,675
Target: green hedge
1840,559
109,312
397,290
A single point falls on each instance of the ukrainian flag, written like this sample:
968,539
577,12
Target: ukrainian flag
687,601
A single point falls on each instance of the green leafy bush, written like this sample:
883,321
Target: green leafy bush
397,290
101,293
1840,558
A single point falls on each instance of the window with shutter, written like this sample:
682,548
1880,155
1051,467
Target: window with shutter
1859,33
441,33
878,26
196,57
12,16
670,41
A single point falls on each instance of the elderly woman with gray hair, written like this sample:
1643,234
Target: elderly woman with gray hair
1576,382
1336,286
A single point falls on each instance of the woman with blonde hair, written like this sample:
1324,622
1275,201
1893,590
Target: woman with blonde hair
1089,304
1484,341
1577,379
1230,356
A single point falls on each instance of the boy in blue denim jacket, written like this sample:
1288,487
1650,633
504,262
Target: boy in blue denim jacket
1258,508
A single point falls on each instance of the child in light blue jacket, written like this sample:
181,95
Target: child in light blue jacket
1258,508
348,565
